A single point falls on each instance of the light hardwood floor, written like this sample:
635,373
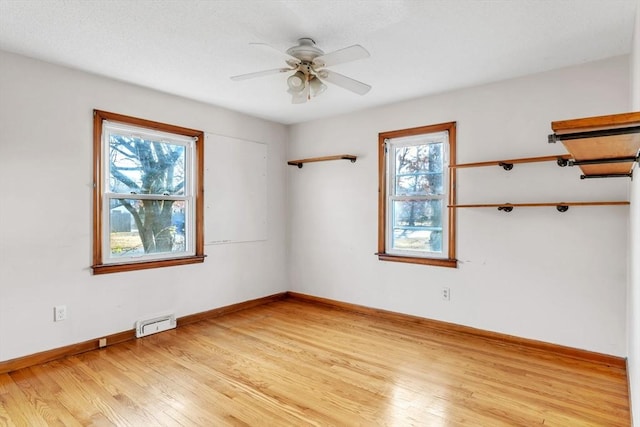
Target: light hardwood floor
297,363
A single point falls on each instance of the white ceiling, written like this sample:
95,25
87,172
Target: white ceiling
191,47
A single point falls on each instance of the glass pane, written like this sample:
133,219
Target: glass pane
141,166
419,184
417,225
419,169
139,227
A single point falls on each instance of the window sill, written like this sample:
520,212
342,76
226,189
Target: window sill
438,262
132,266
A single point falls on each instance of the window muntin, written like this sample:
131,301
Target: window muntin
416,224
148,197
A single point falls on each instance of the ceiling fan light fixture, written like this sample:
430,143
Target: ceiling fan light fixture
296,81
300,97
316,86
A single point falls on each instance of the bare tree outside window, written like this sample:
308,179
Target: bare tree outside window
138,166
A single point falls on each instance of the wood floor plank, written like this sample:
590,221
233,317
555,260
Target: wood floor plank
16,405
296,363
43,399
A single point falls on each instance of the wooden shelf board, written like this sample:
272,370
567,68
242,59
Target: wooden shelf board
300,162
601,147
596,123
607,169
512,161
605,148
527,205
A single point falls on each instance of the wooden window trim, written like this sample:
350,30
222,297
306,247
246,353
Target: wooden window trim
451,260
98,187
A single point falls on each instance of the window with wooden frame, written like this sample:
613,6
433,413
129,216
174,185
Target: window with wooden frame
416,186
148,194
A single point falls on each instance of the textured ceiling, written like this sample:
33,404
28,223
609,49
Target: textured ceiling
191,47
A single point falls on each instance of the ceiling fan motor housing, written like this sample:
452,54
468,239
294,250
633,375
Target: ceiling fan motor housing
306,50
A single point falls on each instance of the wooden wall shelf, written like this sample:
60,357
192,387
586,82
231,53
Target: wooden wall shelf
560,206
301,162
507,164
603,146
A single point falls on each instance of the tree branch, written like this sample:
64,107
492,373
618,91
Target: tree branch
123,178
134,213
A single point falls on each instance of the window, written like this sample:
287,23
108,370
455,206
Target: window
416,187
148,194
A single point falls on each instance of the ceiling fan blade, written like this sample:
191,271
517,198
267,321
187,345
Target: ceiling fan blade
263,45
260,73
344,82
341,56
268,46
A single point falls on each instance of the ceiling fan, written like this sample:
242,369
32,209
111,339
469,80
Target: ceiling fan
308,63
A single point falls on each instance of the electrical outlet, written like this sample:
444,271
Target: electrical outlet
59,313
446,294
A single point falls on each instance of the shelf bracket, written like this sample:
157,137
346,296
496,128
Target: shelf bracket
562,208
608,175
603,161
505,208
562,162
553,138
506,166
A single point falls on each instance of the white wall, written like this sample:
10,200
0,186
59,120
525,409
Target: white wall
534,272
45,213
633,328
